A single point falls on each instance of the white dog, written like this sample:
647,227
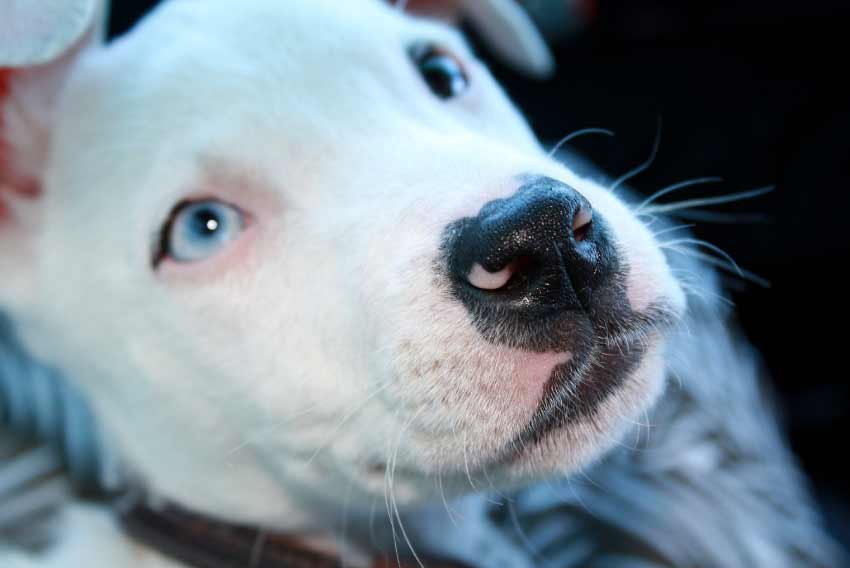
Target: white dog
314,273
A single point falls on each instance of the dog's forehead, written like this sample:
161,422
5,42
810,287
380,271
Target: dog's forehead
291,52
295,43
193,69
241,78
304,21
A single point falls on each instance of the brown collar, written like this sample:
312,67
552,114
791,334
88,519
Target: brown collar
201,542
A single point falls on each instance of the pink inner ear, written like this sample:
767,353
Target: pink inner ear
447,10
5,79
9,181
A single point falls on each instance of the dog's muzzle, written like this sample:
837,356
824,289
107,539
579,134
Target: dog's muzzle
541,271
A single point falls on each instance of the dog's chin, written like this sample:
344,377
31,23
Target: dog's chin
577,420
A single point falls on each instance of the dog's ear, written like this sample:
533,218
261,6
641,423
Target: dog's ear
502,24
40,41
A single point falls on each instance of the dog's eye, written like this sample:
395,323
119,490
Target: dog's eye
199,229
441,70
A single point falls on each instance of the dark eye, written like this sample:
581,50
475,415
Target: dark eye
197,230
441,70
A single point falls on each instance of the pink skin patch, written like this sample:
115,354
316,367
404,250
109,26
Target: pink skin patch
536,368
446,10
5,79
5,86
532,372
9,180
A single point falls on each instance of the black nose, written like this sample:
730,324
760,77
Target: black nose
542,250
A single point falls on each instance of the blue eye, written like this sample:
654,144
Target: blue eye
199,229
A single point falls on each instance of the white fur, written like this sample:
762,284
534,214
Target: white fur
263,385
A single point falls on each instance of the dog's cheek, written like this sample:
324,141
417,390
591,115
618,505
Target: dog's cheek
464,399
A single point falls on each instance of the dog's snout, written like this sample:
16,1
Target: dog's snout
542,249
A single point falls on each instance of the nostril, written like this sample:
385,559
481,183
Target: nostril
581,223
515,274
483,279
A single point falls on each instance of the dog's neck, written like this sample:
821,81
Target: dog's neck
199,541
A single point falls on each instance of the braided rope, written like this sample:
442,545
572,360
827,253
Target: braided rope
50,448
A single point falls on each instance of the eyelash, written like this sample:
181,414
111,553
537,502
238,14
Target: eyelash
160,246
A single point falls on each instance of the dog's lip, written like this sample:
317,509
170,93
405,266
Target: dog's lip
514,453
621,344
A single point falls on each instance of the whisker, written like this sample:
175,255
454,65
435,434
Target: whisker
257,549
643,166
703,201
676,187
269,430
372,536
388,496
344,535
577,495
718,217
719,263
708,245
466,464
688,281
449,511
392,492
577,134
493,489
592,482
332,436
523,536
649,426
671,229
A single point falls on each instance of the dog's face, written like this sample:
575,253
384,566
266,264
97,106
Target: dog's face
299,252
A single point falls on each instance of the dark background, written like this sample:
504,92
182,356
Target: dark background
755,92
